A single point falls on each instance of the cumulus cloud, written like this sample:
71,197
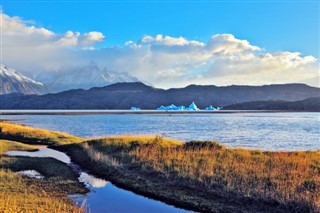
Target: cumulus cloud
168,41
27,46
162,60
223,60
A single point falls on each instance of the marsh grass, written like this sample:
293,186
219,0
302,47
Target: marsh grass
22,194
200,175
29,135
290,178
6,145
19,194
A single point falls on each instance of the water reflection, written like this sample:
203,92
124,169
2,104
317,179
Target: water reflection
42,153
91,181
113,199
31,174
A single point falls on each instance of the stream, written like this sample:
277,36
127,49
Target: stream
103,196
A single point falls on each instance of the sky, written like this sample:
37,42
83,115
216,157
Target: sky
167,43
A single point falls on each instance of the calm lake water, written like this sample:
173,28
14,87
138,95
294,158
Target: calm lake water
267,131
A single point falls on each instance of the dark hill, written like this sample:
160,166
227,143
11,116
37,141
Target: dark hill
310,104
125,95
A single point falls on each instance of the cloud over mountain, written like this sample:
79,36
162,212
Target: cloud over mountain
162,60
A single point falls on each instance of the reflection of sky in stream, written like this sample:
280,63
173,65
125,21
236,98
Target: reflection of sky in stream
91,181
42,153
31,174
113,199
103,196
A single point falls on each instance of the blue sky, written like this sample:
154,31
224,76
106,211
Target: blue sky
167,43
288,25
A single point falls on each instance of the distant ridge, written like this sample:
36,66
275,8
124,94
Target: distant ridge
309,104
126,95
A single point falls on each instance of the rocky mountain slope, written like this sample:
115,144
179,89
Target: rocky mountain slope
13,81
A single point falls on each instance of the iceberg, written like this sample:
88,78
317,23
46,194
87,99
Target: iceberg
135,108
171,107
193,106
212,108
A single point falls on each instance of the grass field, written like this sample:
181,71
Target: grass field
206,176
199,175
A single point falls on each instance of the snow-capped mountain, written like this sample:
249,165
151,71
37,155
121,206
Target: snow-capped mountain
12,81
84,77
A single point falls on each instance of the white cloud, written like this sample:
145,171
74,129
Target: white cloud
164,61
16,26
29,47
168,41
226,44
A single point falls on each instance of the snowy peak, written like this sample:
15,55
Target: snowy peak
6,72
86,77
13,81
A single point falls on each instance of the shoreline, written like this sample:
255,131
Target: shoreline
169,112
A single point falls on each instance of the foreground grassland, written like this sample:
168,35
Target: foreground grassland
201,176
206,176
22,194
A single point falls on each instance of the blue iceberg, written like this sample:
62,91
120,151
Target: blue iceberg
212,108
193,106
171,107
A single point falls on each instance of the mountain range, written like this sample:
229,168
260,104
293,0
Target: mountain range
82,77
126,95
13,81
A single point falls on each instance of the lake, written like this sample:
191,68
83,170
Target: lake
267,130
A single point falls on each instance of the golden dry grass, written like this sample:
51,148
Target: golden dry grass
129,140
31,135
18,194
21,194
6,145
283,176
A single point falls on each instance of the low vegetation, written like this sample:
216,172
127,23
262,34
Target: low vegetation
29,135
199,175
6,145
22,194
206,176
